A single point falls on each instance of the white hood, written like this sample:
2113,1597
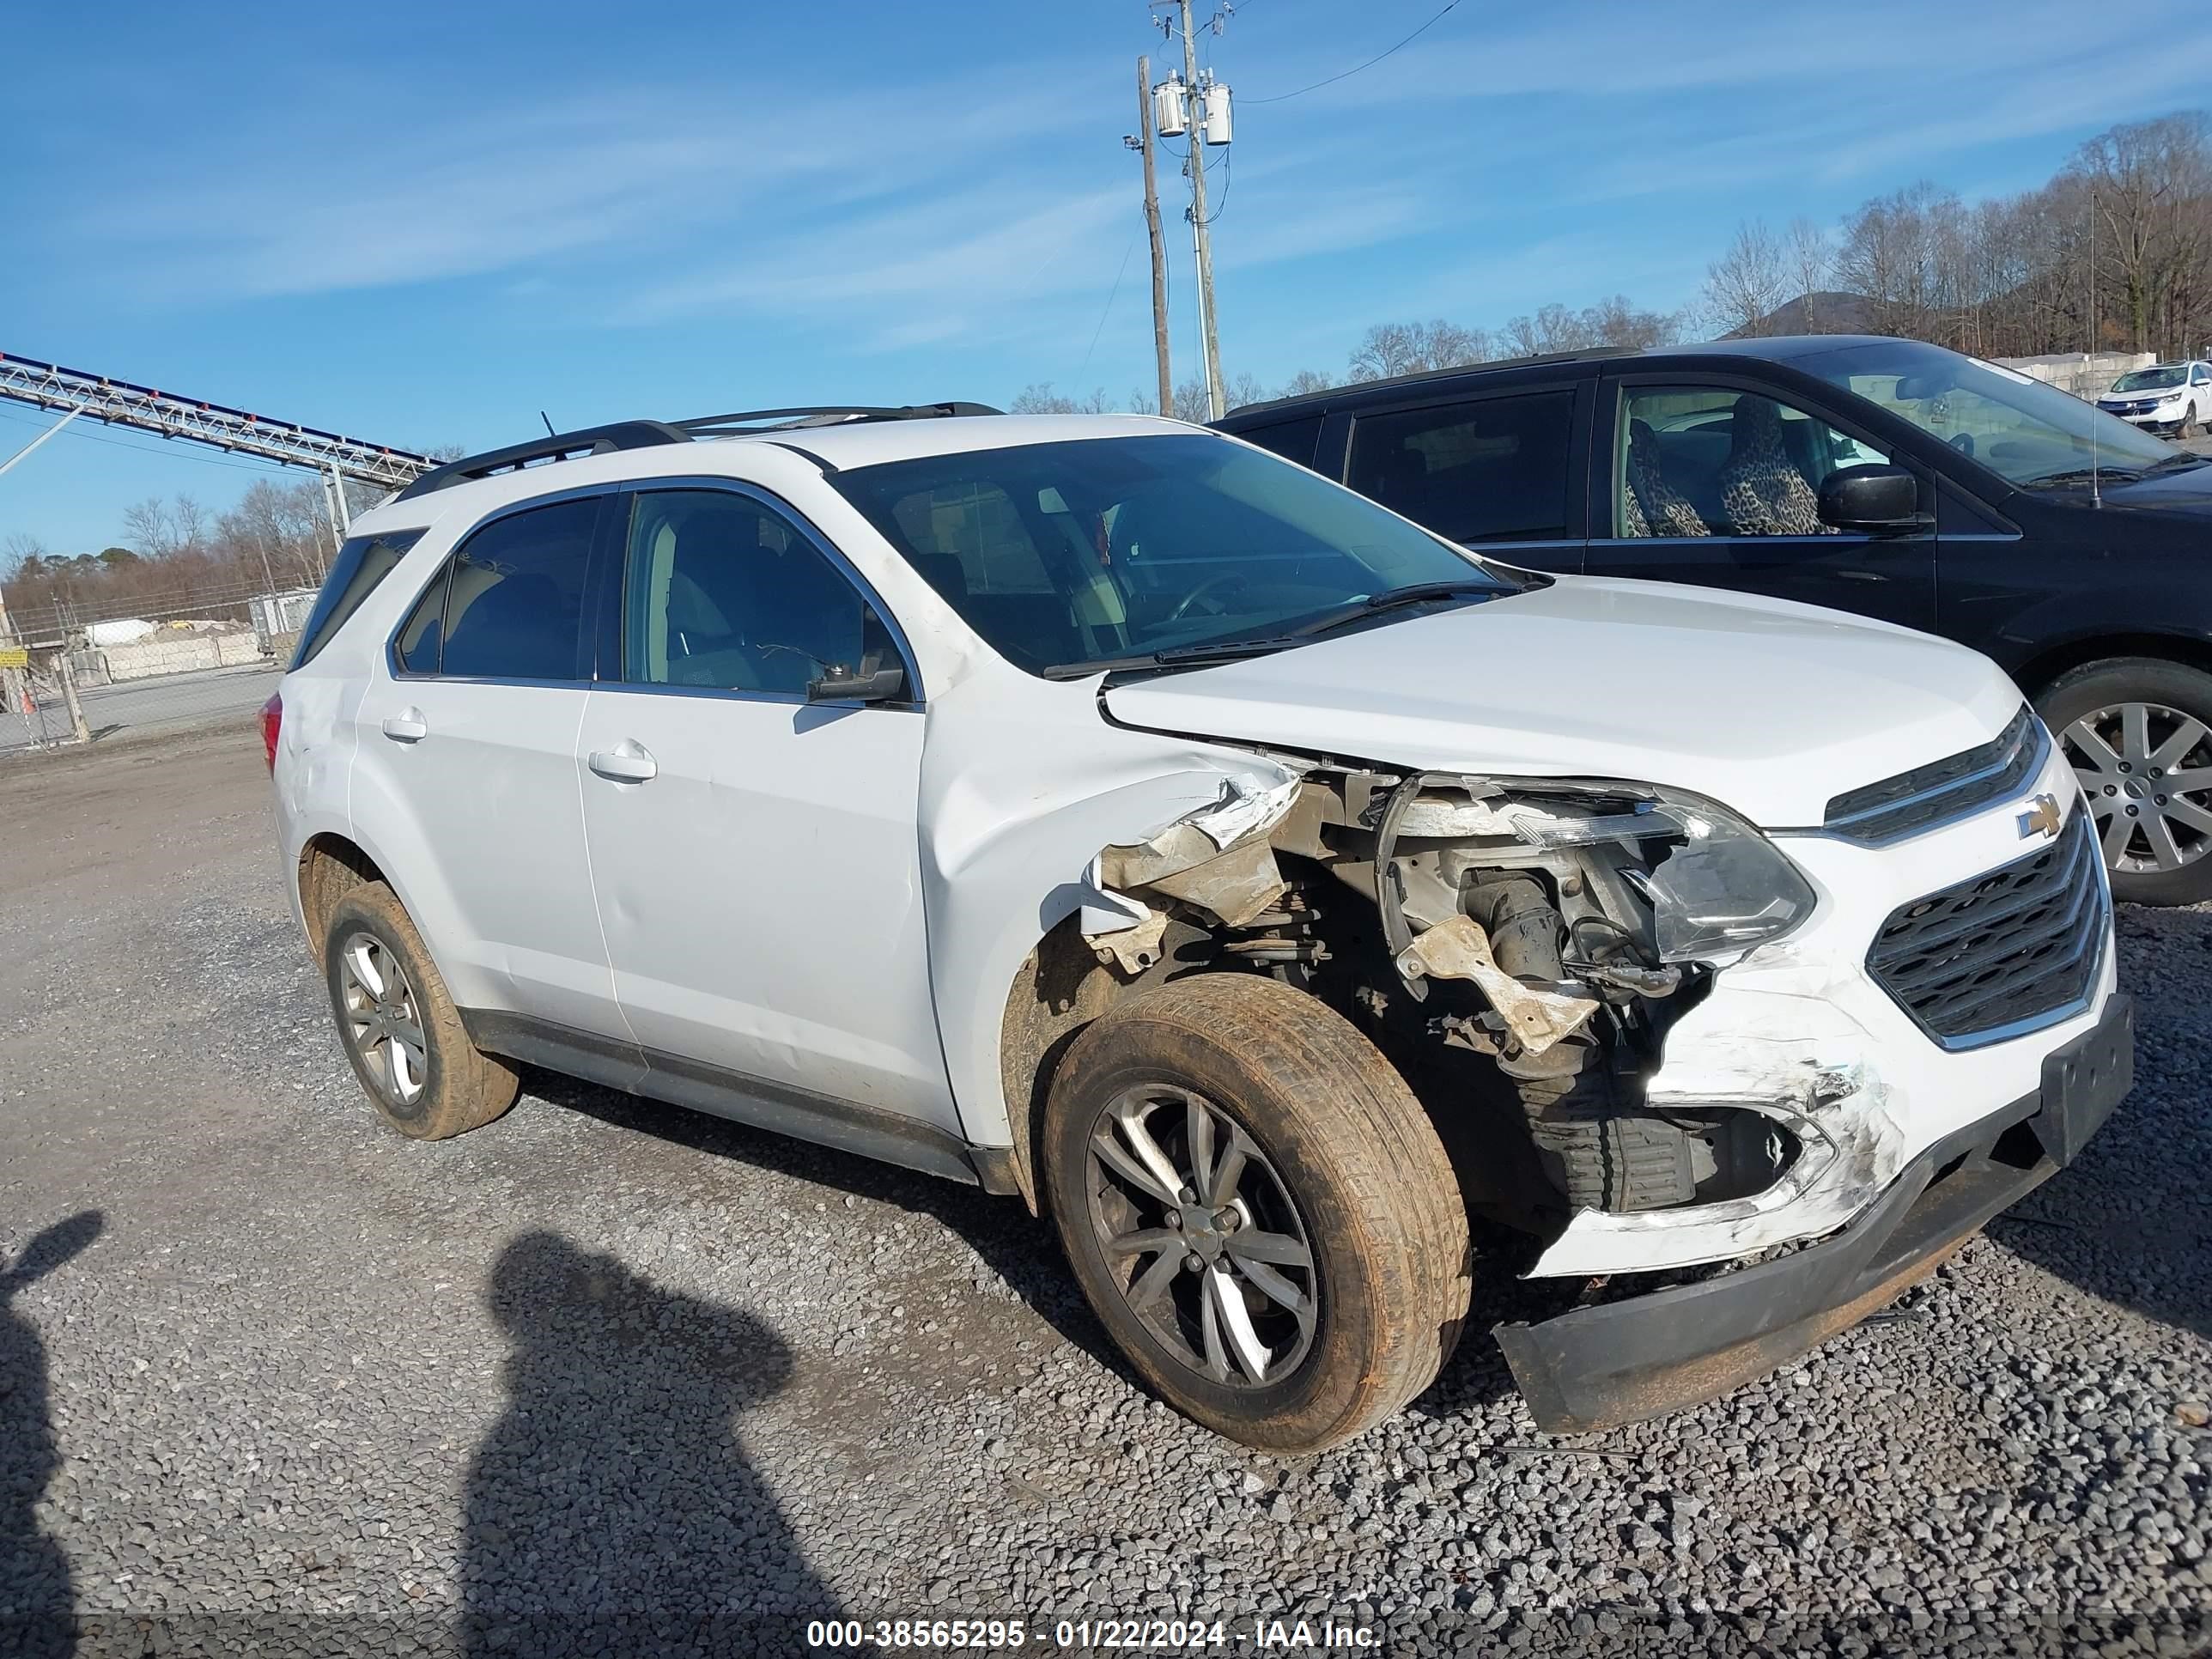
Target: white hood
1767,706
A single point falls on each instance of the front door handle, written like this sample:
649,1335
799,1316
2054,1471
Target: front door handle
408,725
627,762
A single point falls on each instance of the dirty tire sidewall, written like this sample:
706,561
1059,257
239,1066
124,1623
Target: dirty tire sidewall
1381,1209
463,1088
2136,679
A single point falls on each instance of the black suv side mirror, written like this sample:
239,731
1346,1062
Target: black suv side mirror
1876,499
872,682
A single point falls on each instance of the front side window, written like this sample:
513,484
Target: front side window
1493,471
723,593
361,563
1109,547
514,604
2030,434
1710,461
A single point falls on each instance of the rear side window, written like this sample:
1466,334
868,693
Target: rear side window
1294,441
361,563
513,606
1488,472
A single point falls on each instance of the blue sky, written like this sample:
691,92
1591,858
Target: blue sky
421,225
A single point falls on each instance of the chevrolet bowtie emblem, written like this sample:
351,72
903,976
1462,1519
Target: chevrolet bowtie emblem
2041,818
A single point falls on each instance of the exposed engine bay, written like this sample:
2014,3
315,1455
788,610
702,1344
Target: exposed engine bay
1518,949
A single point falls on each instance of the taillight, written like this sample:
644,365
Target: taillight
272,726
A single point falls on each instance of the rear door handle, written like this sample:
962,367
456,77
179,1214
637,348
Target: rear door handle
627,762
408,725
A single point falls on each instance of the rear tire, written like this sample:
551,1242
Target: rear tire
399,1025
2138,733
1342,1193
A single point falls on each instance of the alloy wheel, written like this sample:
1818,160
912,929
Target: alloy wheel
1202,1237
383,1020
2147,771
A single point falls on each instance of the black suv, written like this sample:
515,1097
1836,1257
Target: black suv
1885,476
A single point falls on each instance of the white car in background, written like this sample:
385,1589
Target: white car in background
2175,398
1110,812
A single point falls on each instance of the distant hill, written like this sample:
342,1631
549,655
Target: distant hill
1830,312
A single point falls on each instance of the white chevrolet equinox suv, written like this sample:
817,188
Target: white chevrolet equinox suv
1107,812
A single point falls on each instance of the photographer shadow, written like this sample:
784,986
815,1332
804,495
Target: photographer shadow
37,1592
612,1509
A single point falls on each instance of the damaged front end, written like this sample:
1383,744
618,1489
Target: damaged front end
1524,952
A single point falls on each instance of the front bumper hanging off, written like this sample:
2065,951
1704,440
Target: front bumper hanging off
1597,1368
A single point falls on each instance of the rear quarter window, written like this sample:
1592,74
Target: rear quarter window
1294,441
361,563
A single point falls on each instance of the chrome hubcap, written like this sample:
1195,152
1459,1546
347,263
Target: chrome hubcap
1204,1242
2147,771
383,1022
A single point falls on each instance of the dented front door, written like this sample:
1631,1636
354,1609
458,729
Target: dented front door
759,890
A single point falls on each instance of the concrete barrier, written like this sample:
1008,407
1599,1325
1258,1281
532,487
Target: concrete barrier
179,654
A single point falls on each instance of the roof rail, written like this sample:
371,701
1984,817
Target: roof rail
827,414
591,441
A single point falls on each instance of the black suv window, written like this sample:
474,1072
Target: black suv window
514,603
1294,441
361,563
1693,461
1489,472
723,593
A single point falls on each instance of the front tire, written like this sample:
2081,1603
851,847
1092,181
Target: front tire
399,1027
1230,1122
2138,733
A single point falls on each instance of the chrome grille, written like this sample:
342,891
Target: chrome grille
1949,788
2001,953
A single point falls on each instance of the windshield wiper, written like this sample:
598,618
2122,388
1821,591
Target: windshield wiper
1173,656
1189,656
1397,598
2081,475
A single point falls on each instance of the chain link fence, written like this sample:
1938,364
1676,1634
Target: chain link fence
67,678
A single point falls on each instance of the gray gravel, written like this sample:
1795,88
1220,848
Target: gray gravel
608,1377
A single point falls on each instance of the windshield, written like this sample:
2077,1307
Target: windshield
1098,550
2033,433
2151,380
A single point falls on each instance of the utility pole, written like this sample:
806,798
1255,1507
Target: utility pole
1201,233
1152,229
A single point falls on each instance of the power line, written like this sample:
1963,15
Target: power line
264,468
1119,271
1283,97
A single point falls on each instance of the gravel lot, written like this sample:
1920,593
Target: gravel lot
606,1376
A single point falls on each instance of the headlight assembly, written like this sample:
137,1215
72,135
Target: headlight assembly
1718,887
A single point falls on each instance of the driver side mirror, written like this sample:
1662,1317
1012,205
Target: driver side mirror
874,681
1876,499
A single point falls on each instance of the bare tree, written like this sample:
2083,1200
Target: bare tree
1809,259
1389,349
21,549
1191,403
1748,283
163,530
1039,398
2147,182
1615,322
1241,389
1305,383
